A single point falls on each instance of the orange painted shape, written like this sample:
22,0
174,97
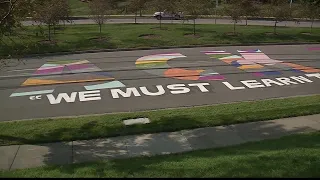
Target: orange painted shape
35,82
183,74
254,66
302,68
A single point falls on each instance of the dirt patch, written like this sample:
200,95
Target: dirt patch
270,33
192,35
149,36
47,42
99,39
306,33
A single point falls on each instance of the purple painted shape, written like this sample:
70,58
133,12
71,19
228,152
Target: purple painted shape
259,74
79,66
212,77
296,70
314,49
50,70
272,73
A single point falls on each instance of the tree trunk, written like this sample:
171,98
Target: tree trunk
246,20
49,32
54,29
194,27
140,13
100,29
135,18
160,20
311,26
275,28
234,28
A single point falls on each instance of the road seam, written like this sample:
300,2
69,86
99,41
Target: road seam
14,158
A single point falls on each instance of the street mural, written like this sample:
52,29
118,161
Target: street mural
53,73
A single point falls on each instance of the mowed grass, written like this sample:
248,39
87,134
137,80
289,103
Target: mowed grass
290,157
84,37
67,129
79,8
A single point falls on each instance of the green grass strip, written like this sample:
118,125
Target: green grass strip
80,128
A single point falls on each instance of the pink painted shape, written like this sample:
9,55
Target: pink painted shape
50,70
314,49
258,74
79,66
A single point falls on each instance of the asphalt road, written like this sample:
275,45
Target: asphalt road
176,78
198,21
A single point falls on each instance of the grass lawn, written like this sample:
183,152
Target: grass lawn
291,156
66,129
79,8
84,37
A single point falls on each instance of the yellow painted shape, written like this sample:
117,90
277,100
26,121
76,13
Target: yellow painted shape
154,61
254,66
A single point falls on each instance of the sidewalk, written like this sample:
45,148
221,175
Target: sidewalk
29,156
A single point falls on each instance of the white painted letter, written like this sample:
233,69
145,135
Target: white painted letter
268,82
252,84
145,91
179,88
286,81
115,92
317,75
231,87
89,96
65,96
301,79
201,86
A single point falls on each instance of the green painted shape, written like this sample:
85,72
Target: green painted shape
218,56
154,64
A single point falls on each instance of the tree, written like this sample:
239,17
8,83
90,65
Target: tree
310,9
280,11
232,9
99,10
249,8
50,12
135,6
194,8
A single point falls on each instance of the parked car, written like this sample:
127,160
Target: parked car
168,15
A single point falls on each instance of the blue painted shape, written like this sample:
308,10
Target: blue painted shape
31,93
271,73
108,85
296,70
235,63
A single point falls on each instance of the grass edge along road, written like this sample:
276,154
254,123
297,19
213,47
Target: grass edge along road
73,38
111,125
289,156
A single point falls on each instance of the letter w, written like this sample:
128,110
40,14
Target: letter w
61,96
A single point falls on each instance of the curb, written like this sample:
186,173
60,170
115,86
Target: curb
164,47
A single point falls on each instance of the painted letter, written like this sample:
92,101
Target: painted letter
232,87
317,75
129,91
145,91
301,79
179,88
268,82
65,96
89,96
286,81
201,86
252,84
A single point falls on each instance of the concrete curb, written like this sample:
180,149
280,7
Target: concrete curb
158,48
